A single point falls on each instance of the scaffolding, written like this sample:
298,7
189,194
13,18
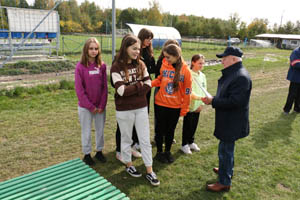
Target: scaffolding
29,30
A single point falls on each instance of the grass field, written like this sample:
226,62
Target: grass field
40,130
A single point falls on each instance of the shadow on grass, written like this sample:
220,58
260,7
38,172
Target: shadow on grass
114,171
275,130
202,193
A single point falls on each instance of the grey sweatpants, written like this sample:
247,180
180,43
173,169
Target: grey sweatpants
139,118
86,118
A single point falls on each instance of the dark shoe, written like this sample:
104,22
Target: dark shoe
160,156
152,179
133,172
100,157
217,187
169,157
88,160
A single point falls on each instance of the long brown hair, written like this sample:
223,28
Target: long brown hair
170,41
122,57
143,35
195,58
85,53
175,51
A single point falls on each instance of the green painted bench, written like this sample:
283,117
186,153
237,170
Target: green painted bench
69,180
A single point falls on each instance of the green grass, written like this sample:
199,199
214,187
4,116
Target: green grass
39,130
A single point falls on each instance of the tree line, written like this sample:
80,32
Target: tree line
91,18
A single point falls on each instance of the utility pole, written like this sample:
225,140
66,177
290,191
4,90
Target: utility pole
113,29
281,18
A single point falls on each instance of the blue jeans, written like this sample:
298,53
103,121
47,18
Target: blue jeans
226,162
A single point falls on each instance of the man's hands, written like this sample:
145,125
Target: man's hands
207,100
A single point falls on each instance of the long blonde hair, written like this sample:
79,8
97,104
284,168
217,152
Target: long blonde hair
85,53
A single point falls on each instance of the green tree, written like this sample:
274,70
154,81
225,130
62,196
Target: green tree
40,4
74,10
257,26
242,34
64,11
154,16
234,21
289,28
129,15
23,4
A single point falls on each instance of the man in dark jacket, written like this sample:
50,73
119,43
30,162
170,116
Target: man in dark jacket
294,78
232,113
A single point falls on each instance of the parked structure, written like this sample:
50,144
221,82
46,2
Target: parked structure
284,41
29,29
161,33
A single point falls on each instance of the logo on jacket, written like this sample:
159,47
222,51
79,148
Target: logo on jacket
169,88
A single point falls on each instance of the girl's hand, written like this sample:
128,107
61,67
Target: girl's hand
95,111
100,110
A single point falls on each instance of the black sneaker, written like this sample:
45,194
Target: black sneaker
160,156
169,157
152,179
88,159
100,157
133,172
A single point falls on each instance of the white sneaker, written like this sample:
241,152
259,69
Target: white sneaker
135,152
194,147
137,146
186,149
119,157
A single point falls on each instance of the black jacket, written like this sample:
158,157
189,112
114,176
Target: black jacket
148,60
232,103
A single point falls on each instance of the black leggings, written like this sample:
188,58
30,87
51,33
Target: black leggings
166,121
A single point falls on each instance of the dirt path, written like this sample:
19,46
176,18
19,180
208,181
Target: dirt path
9,82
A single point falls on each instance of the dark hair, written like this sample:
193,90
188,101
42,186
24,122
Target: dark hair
175,51
195,58
170,41
84,60
122,57
143,35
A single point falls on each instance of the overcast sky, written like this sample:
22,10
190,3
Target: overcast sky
274,11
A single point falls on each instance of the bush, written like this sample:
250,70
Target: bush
66,85
18,91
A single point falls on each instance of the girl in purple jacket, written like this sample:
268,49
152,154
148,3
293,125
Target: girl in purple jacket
91,90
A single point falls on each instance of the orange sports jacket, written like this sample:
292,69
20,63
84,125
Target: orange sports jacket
166,96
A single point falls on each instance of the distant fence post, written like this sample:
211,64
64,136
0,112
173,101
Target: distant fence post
63,45
101,42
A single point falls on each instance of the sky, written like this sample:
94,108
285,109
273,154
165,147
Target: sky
275,11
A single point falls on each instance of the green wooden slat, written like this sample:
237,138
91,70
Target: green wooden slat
118,197
109,195
75,194
93,191
53,184
28,177
74,190
69,180
126,198
81,181
54,167
40,180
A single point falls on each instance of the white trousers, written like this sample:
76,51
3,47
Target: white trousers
139,118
